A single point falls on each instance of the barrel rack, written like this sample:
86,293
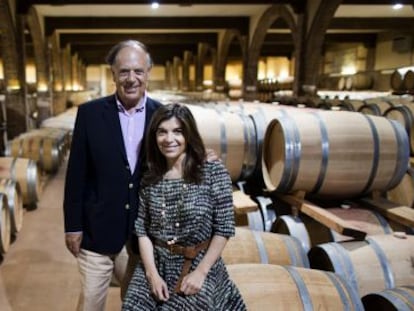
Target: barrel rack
402,215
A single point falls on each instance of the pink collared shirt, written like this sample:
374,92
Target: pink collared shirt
132,125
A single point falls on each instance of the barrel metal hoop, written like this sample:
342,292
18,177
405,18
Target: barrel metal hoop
325,153
384,224
292,154
296,251
250,147
13,169
339,283
255,221
406,113
385,265
301,286
396,301
409,299
343,264
340,290
375,161
32,181
260,246
300,231
403,153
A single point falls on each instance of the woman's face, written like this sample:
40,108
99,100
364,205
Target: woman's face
170,140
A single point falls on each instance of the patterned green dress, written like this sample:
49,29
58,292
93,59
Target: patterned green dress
190,213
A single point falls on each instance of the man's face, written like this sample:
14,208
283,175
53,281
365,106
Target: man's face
130,74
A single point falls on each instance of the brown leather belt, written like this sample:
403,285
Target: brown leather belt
189,253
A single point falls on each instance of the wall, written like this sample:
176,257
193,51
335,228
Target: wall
344,59
389,58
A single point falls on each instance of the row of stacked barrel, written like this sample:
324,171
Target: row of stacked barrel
275,272
266,88
28,157
238,139
357,81
399,108
329,154
402,83
19,187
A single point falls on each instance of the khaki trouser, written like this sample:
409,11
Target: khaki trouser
97,271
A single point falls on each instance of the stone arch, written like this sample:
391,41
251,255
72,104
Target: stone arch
229,36
188,59
266,20
9,47
56,63
14,72
204,49
315,38
39,46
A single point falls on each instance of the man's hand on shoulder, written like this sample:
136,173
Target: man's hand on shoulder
211,155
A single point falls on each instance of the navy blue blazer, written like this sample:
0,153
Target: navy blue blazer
101,193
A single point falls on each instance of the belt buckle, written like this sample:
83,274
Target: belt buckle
172,247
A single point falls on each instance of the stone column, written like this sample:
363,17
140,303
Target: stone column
187,60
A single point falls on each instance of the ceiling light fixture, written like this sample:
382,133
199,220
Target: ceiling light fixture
397,6
155,5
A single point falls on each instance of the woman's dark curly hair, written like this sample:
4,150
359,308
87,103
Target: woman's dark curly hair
195,150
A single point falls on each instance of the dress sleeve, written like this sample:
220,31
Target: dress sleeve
222,200
141,223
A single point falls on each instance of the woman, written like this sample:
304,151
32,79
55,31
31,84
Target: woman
184,221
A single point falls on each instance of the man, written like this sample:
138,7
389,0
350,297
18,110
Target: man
103,175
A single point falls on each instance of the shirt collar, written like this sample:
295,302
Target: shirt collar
140,107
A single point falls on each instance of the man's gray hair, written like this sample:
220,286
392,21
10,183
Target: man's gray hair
113,52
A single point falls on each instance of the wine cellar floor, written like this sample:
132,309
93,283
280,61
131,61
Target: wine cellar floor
38,273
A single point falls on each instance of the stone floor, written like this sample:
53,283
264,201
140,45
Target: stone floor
37,273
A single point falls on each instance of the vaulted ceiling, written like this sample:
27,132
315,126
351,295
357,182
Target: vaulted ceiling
91,27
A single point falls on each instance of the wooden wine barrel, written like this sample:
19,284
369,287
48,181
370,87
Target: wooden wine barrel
25,173
232,136
376,107
324,105
261,120
403,193
349,83
311,233
274,287
341,83
396,299
404,114
396,82
370,108
14,200
77,98
409,81
364,153
249,246
55,145
381,262
253,223
355,103
362,81
255,220
345,105
5,233
65,120
47,146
